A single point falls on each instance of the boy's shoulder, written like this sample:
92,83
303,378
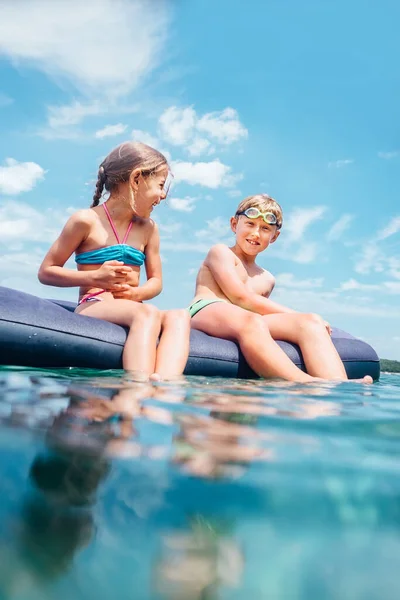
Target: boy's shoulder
220,250
220,253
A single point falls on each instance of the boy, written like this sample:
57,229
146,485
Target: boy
232,302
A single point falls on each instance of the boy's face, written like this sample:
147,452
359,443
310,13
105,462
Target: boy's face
253,235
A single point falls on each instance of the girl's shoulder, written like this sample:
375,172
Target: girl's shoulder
84,217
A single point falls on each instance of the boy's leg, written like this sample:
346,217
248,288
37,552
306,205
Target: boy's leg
173,348
144,322
309,333
251,331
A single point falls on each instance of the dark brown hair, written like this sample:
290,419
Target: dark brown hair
117,167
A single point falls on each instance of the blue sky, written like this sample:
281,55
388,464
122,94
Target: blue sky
295,99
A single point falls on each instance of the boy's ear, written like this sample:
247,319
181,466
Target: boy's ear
234,222
275,236
134,178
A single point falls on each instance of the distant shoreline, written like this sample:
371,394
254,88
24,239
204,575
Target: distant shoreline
392,366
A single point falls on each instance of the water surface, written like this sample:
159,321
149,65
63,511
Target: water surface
202,489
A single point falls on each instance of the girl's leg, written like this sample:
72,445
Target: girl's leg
144,322
309,333
173,348
251,331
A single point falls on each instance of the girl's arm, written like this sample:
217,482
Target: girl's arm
52,270
153,285
221,262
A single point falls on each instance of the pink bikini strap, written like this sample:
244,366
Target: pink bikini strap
113,226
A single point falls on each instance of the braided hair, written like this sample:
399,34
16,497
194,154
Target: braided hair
101,178
117,167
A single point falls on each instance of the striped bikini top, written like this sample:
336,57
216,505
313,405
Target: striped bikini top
121,251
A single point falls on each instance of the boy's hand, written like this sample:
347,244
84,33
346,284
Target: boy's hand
110,273
328,327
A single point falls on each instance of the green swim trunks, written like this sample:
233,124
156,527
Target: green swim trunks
195,307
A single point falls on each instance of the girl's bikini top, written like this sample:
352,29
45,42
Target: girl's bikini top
121,251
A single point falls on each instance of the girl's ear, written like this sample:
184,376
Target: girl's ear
234,223
134,179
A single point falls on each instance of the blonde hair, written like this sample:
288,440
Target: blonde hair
264,203
117,167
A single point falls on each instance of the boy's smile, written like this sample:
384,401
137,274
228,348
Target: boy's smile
253,235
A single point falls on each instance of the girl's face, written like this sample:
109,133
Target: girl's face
150,191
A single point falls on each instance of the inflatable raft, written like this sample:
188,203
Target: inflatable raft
35,332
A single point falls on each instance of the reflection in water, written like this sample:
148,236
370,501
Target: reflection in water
195,563
196,490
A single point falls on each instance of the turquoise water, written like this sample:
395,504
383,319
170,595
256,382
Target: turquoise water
202,489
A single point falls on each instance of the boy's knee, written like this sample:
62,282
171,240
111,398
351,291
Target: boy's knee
252,322
309,321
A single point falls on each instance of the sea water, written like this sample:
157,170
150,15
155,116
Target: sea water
198,489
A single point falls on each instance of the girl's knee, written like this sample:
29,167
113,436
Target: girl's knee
147,313
177,318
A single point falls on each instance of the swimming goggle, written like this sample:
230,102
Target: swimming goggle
168,183
254,213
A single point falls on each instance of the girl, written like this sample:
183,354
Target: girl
111,242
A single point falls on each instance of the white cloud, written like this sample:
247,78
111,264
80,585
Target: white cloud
392,228
392,287
216,231
177,125
168,230
352,284
17,177
337,164
371,259
91,45
288,280
19,220
224,126
212,174
182,204
331,304
63,121
388,155
339,228
146,138
182,126
299,220
110,130
200,146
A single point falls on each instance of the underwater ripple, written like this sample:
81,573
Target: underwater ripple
198,489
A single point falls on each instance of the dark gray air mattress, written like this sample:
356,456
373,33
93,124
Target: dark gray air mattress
47,333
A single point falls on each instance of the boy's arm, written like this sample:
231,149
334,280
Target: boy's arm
153,285
221,262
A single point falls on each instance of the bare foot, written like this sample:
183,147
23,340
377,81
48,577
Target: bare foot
367,379
155,377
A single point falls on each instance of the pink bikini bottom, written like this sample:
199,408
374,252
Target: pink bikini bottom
91,297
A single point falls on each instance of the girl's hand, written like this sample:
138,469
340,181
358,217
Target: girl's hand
110,273
124,291
328,327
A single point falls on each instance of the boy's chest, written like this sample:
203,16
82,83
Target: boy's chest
257,280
